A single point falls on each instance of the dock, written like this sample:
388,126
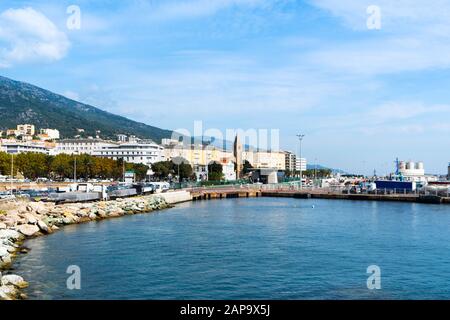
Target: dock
252,192
223,193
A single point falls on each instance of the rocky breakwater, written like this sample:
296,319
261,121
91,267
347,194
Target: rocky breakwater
21,219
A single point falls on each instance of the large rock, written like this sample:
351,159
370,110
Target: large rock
14,280
8,292
28,229
2,225
10,234
3,252
41,224
30,218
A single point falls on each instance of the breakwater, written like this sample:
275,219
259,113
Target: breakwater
22,219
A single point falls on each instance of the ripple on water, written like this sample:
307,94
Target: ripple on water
262,248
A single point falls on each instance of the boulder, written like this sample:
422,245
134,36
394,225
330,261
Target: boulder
3,252
41,224
10,234
30,218
9,222
2,225
14,280
7,292
6,260
28,229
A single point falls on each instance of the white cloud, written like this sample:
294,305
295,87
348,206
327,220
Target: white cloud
28,35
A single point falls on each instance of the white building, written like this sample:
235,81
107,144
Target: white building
171,142
411,171
290,161
25,130
229,173
49,134
300,163
142,152
80,146
122,137
265,159
22,147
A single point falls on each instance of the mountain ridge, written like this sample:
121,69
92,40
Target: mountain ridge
21,102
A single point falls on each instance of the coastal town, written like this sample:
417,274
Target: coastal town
199,161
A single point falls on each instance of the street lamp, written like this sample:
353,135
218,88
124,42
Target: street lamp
300,138
75,167
315,168
12,172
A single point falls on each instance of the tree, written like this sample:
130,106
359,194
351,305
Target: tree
247,167
215,172
62,166
162,169
5,163
186,171
33,165
318,173
139,169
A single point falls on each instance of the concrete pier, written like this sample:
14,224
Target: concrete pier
206,194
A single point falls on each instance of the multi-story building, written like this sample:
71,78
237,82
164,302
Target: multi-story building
290,161
266,159
122,137
15,147
300,163
25,130
139,152
293,163
171,142
80,146
197,154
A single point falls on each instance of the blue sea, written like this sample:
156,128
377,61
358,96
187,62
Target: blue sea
256,248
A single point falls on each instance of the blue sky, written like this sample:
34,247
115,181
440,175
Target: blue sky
361,96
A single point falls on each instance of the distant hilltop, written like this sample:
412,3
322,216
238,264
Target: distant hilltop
319,167
25,103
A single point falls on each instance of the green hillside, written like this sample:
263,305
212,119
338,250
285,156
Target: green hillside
24,103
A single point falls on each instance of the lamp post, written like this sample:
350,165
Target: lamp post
74,166
315,168
123,169
12,172
300,138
